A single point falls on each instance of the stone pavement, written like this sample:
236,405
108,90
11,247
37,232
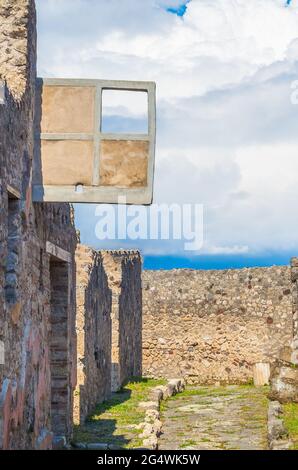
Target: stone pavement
231,417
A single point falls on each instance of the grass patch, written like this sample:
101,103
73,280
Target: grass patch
291,422
115,420
187,443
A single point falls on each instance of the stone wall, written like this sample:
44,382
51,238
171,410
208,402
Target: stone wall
213,326
294,272
37,275
123,269
93,324
284,373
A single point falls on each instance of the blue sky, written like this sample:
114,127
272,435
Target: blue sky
227,130
181,9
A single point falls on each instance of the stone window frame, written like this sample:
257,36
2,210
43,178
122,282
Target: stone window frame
96,193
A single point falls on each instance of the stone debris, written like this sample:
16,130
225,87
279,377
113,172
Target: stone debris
94,446
152,425
284,382
277,433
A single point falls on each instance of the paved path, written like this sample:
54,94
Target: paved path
232,417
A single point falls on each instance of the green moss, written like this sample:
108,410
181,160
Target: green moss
187,443
293,366
115,420
205,439
291,422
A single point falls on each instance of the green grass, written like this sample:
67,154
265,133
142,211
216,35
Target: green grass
224,391
291,422
187,443
114,421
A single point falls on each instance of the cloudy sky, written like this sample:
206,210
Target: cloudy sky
227,127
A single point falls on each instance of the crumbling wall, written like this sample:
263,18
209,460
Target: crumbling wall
30,234
123,269
93,324
294,346
284,374
14,37
213,326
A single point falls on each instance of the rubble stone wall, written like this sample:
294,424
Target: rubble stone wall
123,269
93,324
294,272
35,353
213,326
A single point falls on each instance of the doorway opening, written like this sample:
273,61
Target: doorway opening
59,350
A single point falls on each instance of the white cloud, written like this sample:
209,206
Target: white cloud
227,131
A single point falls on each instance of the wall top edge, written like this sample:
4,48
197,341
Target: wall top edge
189,271
121,252
129,85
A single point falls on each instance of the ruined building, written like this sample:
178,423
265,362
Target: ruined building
124,270
109,324
94,332
56,362
37,271
39,327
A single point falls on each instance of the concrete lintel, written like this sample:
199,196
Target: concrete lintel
58,252
103,194
128,85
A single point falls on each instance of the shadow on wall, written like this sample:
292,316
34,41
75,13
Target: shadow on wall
99,427
103,432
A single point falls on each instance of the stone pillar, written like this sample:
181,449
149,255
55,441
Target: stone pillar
93,325
113,268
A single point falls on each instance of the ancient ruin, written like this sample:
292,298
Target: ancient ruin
77,324
109,324
37,276
94,333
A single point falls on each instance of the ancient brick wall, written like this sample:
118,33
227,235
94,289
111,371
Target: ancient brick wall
93,324
213,326
37,281
123,269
